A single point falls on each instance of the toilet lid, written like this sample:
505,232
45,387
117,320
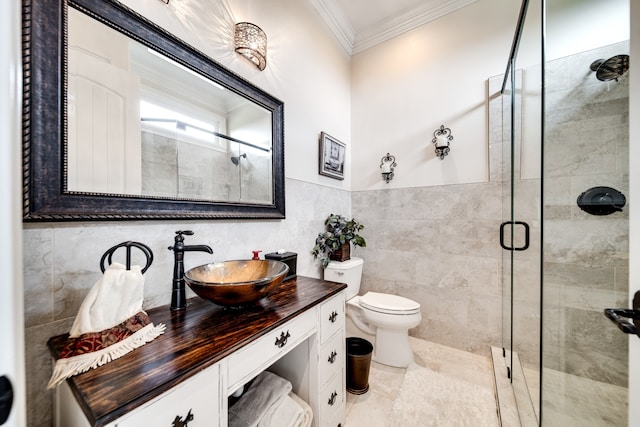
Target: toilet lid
391,304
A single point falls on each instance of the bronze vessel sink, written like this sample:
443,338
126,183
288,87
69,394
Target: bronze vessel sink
236,283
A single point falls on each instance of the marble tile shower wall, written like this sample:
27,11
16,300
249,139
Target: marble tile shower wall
586,257
61,265
440,247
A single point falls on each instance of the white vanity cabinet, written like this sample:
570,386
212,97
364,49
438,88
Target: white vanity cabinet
188,376
246,363
331,379
313,359
196,401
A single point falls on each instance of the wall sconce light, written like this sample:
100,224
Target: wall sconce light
441,138
387,164
251,42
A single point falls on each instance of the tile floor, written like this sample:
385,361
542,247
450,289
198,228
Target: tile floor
470,373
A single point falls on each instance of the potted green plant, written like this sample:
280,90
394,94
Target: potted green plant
335,242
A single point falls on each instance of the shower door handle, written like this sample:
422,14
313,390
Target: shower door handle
619,316
526,236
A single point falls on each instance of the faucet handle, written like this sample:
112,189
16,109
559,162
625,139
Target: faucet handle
180,235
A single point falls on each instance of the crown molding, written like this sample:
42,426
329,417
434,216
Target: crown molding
387,29
337,22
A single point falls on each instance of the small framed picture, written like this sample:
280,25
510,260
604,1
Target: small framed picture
332,153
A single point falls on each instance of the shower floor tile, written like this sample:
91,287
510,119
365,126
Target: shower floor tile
569,400
572,401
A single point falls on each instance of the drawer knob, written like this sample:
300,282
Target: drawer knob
280,342
332,356
332,399
333,317
178,422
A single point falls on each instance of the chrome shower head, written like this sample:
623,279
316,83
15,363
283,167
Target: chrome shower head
610,69
236,159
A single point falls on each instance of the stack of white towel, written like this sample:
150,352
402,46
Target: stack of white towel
269,402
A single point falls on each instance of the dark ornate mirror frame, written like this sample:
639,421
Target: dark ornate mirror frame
44,121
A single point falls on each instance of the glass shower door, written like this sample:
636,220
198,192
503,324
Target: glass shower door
520,231
520,240
565,133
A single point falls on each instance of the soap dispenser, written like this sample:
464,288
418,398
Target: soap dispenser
289,258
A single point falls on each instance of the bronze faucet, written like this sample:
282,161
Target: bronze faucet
178,298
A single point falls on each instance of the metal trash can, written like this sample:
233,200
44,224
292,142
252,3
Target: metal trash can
358,363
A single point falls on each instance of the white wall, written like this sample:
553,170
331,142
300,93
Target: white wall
11,311
581,25
634,214
404,89
306,69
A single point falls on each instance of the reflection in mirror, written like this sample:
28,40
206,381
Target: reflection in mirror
142,124
122,120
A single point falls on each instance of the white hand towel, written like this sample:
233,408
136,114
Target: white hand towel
266,391
285,413
307,415
115,297
109,324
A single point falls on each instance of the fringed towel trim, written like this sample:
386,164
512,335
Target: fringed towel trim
89,351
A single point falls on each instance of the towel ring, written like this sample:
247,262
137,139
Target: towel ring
144,248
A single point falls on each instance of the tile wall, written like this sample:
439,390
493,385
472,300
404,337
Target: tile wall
440,247
61,264
586,257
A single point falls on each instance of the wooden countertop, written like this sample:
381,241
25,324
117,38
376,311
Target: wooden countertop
195,339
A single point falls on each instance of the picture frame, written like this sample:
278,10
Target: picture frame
332,156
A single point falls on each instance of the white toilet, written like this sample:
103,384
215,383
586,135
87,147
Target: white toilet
386,317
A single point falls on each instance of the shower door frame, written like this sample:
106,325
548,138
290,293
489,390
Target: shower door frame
519,230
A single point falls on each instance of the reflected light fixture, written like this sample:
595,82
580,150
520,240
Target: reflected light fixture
388,164
251,42
441,138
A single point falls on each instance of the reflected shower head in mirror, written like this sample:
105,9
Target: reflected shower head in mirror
236,159
612,68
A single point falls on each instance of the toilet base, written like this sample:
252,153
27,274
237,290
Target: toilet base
395,349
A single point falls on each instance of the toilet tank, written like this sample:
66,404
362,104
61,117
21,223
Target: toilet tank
349,272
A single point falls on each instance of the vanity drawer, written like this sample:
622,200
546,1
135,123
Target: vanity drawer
332,358
252,359
198,396
332,399
338,419
331,317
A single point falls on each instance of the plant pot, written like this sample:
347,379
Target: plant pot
343,253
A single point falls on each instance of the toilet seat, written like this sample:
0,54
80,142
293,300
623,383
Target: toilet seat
389,304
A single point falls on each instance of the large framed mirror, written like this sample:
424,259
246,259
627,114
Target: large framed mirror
123,120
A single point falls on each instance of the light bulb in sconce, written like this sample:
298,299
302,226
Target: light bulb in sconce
441,139
388,164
